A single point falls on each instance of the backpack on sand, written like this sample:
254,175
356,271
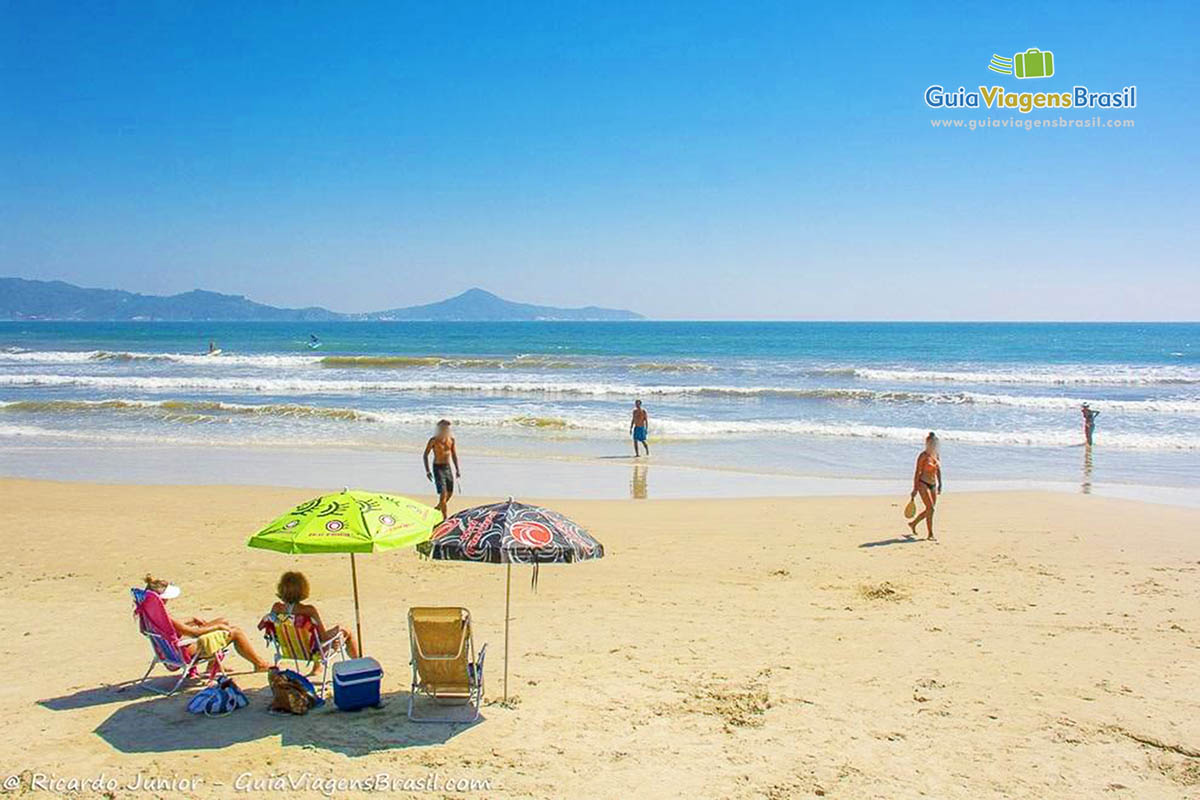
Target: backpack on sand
291,692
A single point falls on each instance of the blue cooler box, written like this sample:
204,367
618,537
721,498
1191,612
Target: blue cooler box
356,683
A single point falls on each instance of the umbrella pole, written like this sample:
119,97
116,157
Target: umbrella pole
357,620
507,598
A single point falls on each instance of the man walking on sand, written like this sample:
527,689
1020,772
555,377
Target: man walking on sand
638,427
444,453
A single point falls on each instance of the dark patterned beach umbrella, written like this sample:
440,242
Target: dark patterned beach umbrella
510,533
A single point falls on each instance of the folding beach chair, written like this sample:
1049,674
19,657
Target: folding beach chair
294,637
444,666
176,654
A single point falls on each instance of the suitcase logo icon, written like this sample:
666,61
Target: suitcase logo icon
1033,63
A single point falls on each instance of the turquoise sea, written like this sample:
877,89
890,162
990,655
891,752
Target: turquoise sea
843,400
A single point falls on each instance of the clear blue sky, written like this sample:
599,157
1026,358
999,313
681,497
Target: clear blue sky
690,160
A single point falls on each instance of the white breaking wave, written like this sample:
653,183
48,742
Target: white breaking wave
304,385
28,430
597,421
1080,374
306,360
19,432
66,357
300,385
663,429
1064,374
1035,438
1163,405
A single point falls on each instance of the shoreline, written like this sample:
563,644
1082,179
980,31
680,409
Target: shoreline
490,474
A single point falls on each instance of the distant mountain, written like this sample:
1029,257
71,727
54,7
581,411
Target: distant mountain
22,299
26,299
478,305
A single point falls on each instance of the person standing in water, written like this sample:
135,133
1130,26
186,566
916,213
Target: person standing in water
638,426
927,480
1089,422
441,444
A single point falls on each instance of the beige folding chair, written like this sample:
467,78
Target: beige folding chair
444,666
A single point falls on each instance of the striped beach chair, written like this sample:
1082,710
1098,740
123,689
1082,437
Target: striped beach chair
294,638
174,653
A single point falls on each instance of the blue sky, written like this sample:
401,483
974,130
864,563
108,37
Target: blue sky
690,160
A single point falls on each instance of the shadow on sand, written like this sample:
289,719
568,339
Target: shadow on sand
163,724
124,692
893,540
97,696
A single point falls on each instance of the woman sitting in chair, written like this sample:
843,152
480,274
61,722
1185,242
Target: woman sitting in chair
292,591
210,635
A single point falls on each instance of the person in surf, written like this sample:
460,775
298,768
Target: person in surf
1089,422
639,426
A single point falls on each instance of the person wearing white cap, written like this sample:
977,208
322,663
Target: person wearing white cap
210,635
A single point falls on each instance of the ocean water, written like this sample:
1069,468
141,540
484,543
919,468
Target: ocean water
838,400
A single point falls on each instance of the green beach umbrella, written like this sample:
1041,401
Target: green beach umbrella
349,522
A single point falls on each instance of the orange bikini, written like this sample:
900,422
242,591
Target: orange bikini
929,471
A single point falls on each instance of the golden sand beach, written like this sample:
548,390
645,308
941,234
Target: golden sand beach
1048,646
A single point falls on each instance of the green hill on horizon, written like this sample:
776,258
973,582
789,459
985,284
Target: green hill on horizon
22,299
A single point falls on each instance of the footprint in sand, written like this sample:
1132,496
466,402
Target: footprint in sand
926,689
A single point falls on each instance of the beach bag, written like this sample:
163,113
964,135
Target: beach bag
291,692
223,697
911,508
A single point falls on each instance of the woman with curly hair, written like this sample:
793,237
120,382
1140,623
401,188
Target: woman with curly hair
292,591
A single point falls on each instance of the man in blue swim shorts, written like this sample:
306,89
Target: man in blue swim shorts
638,426
445,452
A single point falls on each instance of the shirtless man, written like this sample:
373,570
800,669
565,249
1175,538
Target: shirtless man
444,452
638,426
1089,422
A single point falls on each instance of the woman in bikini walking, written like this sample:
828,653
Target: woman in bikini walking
927,480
